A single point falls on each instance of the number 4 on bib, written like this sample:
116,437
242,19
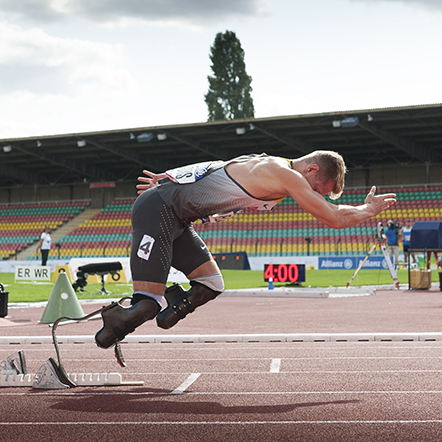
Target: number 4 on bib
145,247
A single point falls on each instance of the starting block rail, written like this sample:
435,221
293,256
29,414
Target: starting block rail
13,374
81,379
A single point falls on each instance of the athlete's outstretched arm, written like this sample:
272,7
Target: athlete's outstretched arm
149,182
336,216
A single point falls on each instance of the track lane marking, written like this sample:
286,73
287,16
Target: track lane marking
349,422
295,372
186,384
326,337
275,365
302,358
227,393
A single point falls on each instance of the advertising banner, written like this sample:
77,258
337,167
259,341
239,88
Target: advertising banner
351,262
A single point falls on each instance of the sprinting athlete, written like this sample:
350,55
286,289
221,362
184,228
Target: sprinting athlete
163,235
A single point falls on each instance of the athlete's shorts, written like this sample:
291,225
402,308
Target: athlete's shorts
406,247
160,241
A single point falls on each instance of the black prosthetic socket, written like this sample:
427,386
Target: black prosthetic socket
181,302
137,297
119,321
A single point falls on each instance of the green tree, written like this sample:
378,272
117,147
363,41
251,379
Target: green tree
229,96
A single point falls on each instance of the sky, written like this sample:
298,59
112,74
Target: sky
70,66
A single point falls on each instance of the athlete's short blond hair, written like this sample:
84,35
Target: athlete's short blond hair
331,167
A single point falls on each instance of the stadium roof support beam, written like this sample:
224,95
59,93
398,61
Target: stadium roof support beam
84,169
17,174
119,152
292,142
412,148
215,153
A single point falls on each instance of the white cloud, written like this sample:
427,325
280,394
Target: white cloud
49,82
37,62
419,4
115,11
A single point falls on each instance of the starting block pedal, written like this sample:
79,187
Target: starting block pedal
50,377
14,364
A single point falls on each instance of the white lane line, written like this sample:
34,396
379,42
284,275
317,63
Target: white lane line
301,358
324,422
289,372
233,393
275,365
186,384
240,338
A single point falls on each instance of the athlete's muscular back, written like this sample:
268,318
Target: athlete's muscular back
260,176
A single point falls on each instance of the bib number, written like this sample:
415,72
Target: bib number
145,247
188,174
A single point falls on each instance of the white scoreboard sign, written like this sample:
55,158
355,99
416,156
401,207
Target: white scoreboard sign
33,273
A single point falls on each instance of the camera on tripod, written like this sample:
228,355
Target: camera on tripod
392,225
100,269
381,239
380,234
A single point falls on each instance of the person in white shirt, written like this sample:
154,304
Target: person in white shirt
406,232
45,245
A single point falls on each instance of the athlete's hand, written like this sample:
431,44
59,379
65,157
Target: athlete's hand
379,203
150,180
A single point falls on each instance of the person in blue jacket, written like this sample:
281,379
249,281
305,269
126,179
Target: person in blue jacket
393,233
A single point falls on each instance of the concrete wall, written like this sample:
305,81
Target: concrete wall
65,193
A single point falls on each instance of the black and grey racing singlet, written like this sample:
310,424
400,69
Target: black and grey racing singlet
211,194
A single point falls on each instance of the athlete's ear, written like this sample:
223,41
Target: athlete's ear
312,168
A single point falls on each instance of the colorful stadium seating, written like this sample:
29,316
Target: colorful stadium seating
106,234
22,224
287,230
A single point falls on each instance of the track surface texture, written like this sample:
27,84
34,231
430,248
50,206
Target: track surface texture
243,391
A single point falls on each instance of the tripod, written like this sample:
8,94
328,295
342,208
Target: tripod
387,260
102,290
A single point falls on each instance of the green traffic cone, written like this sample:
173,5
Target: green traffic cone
62,302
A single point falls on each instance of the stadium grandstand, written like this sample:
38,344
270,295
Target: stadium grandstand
83,185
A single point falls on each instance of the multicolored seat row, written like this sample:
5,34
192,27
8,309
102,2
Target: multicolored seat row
289,230
286,230
107,234
22,224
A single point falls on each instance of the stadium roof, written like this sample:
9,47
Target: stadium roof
365,138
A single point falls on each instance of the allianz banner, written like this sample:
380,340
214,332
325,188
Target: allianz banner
351,262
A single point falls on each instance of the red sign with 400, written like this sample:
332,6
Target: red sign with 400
284,272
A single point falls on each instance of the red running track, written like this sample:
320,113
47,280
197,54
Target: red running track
264,391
